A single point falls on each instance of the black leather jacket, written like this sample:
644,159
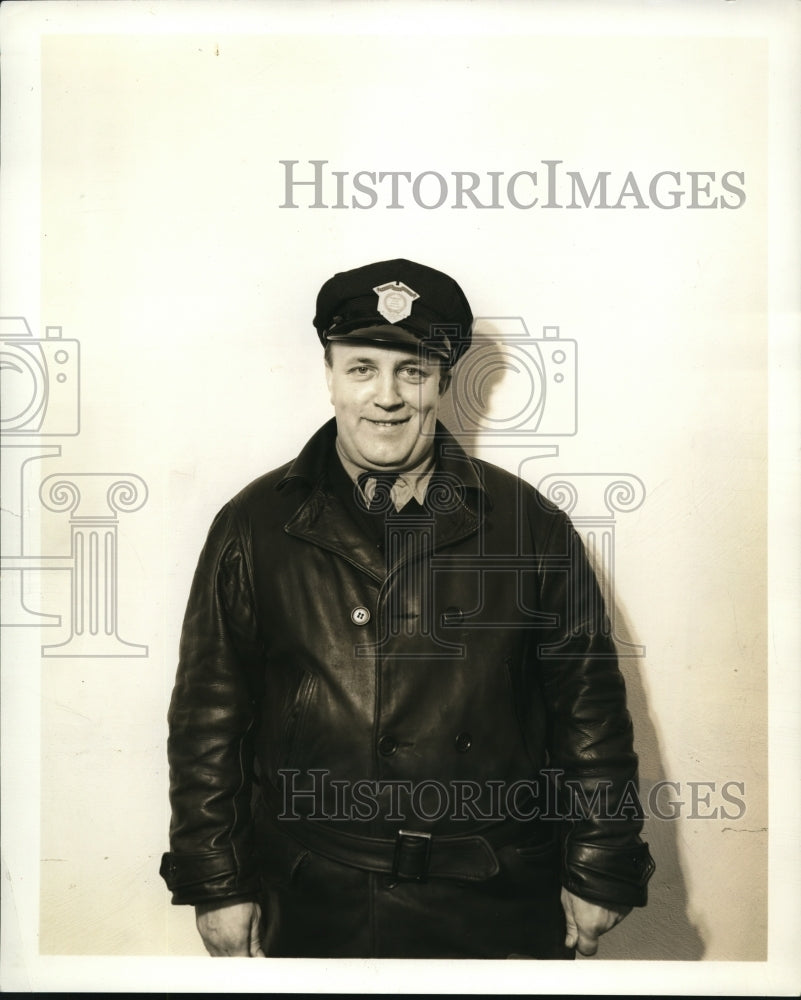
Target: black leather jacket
479,658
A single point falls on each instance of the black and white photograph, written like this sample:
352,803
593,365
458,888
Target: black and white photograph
400,489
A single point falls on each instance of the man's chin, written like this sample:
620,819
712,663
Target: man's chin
390,459
391,463
380,454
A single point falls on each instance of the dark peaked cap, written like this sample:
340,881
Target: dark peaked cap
396,302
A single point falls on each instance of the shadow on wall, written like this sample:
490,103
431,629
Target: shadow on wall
663,930
501,400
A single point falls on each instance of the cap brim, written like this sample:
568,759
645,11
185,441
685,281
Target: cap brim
390,334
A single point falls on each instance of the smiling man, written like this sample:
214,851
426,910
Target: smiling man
398,727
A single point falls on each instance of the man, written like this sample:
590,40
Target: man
398,727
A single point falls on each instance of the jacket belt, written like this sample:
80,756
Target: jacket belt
412,855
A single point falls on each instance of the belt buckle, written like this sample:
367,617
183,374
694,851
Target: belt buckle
412,855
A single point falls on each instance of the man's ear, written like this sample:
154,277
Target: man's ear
328,379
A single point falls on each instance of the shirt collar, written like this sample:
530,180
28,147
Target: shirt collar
410,484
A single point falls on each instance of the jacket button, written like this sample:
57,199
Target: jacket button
452,616
360,616
387,746
463,742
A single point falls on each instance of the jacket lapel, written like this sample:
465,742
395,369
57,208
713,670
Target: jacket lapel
323,520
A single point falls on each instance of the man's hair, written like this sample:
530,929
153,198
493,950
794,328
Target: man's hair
444,371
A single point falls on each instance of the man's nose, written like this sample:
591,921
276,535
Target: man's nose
387,395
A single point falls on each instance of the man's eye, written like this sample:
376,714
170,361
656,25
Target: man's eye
414,374
360,370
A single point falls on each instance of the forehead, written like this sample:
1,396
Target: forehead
343,353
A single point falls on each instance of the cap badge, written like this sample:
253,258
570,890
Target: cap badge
395,300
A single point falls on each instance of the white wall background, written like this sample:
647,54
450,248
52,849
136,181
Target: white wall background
165,252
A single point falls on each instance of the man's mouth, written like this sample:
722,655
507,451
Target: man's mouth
388,423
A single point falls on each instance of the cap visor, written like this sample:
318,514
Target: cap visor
389,334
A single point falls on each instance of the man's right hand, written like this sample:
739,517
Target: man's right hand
230,930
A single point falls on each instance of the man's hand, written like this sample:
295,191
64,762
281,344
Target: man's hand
586,922
230,930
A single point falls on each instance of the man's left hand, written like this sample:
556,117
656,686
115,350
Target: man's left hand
586,922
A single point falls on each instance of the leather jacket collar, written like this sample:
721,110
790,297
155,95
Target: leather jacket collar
458,500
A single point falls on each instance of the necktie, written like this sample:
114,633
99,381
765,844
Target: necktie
381,501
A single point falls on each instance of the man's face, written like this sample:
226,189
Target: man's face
385,401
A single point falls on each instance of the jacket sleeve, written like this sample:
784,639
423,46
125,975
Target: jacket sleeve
211,728
590,738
